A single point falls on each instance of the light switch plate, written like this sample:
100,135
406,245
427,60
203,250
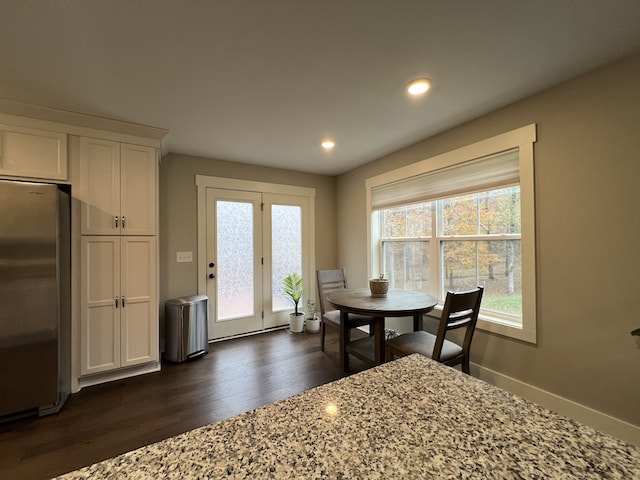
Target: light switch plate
182,257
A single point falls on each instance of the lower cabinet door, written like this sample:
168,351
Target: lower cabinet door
138,313
100,302
119,324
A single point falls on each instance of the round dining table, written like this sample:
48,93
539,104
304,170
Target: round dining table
397,303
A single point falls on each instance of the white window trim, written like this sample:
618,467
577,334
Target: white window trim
522,138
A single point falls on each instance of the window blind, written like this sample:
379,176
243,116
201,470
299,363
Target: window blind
476,175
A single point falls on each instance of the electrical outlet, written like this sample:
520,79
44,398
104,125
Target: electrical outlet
184,257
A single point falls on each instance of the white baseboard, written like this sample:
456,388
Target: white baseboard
99,378
599,421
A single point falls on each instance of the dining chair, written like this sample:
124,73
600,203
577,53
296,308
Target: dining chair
460,311
329,281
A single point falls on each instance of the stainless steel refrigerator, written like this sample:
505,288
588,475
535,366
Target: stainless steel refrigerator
35,298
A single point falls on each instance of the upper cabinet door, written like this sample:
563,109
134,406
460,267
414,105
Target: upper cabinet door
100,186
25,152
117,188
138,166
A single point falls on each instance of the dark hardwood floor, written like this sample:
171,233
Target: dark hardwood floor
105,420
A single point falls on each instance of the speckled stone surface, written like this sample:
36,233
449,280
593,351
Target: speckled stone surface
408,419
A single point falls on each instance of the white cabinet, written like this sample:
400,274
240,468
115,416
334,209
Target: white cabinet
119,312
26,152
117,188
117,191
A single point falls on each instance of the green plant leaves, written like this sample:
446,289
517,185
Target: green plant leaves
293,288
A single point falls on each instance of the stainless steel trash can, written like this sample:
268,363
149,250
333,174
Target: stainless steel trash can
186,328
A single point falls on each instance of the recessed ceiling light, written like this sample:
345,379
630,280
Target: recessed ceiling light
419,86
328,144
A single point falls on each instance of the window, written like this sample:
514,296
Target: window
459,220
476,242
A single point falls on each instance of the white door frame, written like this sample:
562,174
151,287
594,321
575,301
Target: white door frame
203,182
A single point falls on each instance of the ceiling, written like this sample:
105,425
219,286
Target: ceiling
263,82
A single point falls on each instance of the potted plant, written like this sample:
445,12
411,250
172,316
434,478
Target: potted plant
312,323
293,289
379,286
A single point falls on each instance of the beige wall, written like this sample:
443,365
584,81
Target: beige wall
587,176
178,214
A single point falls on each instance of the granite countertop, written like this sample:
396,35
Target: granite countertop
408,419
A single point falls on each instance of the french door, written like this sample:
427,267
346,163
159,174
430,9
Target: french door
234,234
253,240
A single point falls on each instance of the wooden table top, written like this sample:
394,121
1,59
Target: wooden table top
397,303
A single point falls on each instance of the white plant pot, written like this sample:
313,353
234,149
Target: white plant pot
312,325
296,322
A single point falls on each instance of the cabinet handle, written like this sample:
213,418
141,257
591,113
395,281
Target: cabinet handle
115,222
116,302
122,302
124,223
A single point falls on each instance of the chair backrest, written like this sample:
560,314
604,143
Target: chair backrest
329,281
461,310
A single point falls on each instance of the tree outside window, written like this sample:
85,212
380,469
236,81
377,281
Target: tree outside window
476,242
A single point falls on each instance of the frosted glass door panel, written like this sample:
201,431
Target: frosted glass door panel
235,247
286,250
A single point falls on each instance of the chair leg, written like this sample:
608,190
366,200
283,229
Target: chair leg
322,330
465,365
346,362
